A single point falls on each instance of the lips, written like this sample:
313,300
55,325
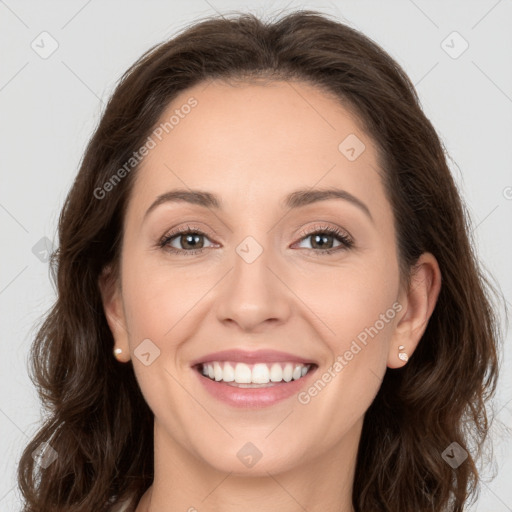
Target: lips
252,380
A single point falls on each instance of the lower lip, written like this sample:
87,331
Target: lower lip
253,397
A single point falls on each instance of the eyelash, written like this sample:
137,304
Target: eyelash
346,242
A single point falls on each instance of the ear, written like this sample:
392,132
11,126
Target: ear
418,303
111,297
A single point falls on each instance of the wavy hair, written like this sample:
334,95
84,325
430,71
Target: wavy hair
97,420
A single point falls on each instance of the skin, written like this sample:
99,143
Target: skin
251,144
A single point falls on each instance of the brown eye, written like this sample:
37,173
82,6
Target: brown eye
190,241
184,241
323,240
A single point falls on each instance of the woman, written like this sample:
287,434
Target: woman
265,231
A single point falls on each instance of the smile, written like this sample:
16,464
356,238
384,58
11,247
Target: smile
253,386
253,375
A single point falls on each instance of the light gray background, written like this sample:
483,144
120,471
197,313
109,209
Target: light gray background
49,108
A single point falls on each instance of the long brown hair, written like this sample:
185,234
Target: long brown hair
98,422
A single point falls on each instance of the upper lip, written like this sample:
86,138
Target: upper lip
250,357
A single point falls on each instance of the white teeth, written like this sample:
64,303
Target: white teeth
242,373
259,373
228,374
217,371
287,373
276,373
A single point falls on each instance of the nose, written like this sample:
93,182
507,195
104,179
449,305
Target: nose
254,294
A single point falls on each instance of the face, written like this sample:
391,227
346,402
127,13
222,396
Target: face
261,272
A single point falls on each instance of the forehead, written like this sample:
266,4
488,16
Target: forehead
257,142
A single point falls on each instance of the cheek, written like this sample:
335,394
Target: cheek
159,303
350,297
157,296
356,309
346,385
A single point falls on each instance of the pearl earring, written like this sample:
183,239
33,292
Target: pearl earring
117,352
402,355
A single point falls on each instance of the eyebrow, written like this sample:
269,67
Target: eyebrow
297,199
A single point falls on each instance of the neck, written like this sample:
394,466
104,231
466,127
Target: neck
184,482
